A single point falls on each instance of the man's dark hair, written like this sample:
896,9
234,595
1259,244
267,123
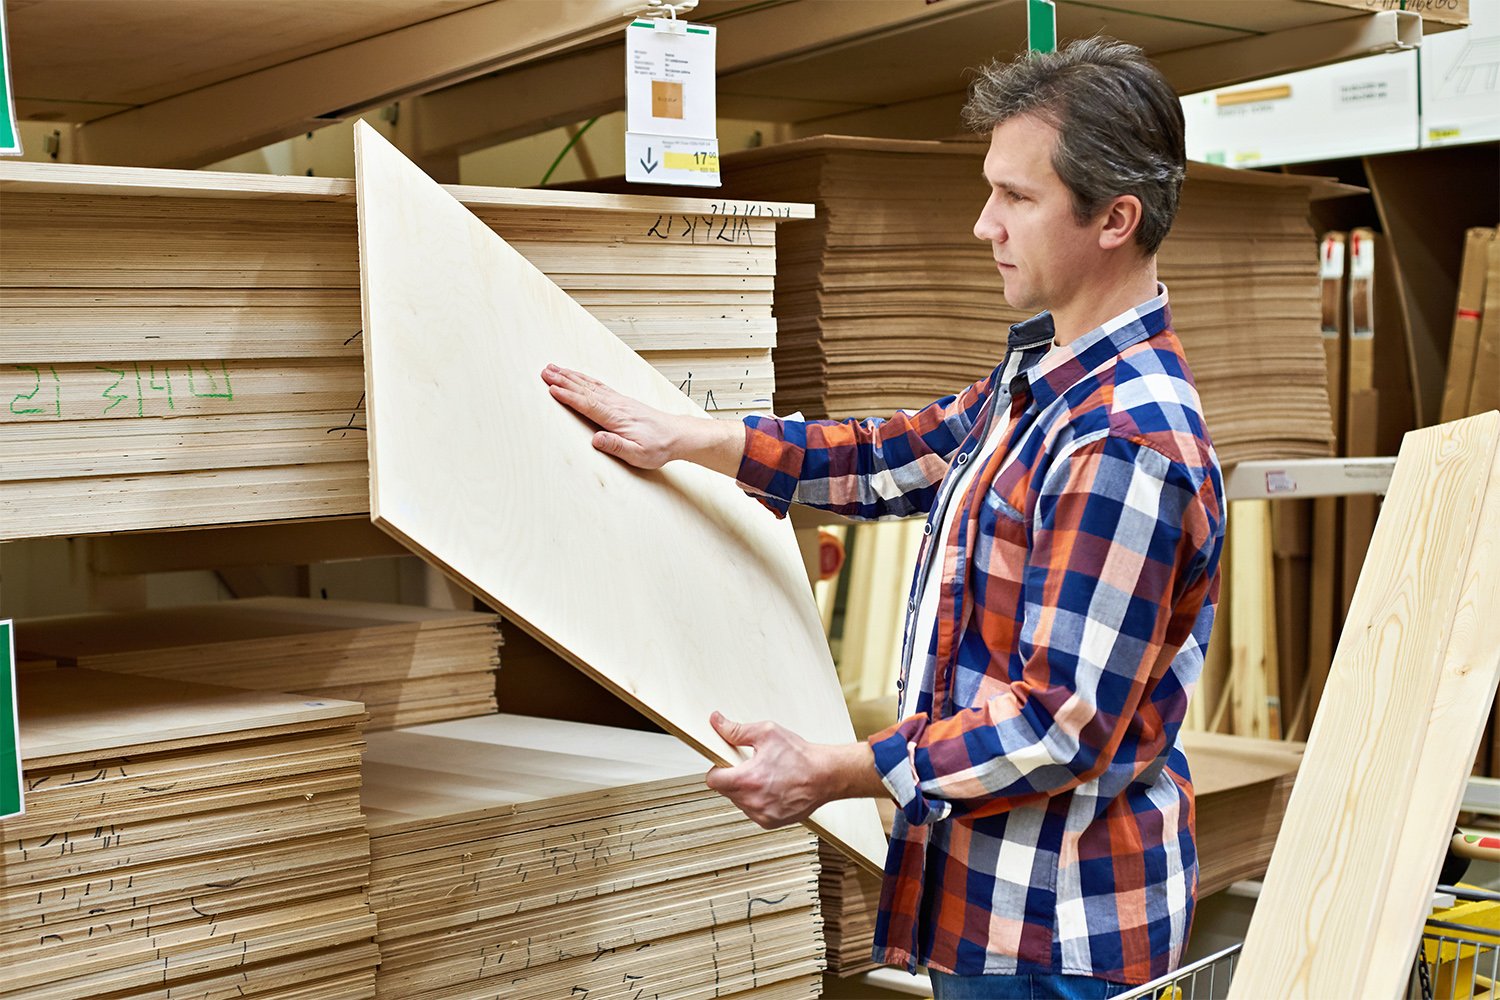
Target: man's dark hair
1119,125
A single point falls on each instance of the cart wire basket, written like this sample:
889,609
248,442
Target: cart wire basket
1458,958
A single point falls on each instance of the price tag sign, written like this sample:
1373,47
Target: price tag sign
671,117
10,729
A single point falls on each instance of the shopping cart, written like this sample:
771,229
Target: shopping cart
1459,958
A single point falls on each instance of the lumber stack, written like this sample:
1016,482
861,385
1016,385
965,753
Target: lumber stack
408,665
886,300
851,900
1240,787
527,857
184,840
183,348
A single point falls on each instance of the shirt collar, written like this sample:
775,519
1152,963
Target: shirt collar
1061,369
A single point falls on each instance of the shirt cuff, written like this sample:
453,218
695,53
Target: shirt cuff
762,472
897,772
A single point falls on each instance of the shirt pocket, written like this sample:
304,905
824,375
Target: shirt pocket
996,578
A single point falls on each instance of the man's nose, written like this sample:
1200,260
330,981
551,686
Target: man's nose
988,228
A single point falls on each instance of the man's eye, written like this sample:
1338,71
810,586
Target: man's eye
1013,196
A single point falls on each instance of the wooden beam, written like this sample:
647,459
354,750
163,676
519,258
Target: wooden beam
250,111
530,99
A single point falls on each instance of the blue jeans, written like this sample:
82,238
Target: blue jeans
1049,987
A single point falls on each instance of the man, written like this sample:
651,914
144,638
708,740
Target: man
1064,594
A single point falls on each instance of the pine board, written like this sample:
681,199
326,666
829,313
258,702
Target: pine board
1345,868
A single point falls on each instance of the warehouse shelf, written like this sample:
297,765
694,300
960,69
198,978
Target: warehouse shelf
151,87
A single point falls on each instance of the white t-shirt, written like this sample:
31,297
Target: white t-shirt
950,500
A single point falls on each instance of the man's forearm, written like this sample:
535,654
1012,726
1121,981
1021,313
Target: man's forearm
714,444
849,772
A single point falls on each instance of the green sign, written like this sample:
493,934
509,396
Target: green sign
1041,25
10,736
10,136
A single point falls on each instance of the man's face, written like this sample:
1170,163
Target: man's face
1041,251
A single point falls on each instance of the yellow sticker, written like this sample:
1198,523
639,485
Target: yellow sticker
703,163
1443,133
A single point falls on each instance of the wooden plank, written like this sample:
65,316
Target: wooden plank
1333,870
1466,321
1291,523
1461,709
1484,389
1370,319
1324,607
1255,709
462,429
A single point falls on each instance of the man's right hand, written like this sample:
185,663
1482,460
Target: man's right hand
641,435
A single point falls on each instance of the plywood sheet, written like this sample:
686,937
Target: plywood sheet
671,588
1350,865
60,723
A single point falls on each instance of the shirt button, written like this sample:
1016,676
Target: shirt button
927,528
963,458
911,605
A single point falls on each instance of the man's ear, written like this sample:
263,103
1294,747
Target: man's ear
1119,222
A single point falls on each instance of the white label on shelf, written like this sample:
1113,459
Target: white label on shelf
1278,481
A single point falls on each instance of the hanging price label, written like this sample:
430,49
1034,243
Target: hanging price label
670,103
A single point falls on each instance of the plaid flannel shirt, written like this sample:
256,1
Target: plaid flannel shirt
1046,820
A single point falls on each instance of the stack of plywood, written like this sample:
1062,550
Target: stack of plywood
183,348
184,840
515,856
1241,786
408,665
851,900
886,300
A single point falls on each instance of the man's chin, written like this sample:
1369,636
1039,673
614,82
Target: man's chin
1017,298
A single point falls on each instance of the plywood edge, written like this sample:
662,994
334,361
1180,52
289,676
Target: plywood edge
252,712
84,179
1317,188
